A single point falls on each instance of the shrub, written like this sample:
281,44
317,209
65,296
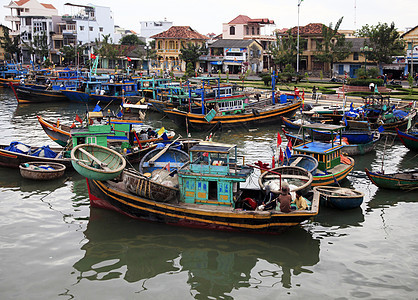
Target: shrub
365,81
266,77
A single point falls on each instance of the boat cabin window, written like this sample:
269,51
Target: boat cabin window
213,190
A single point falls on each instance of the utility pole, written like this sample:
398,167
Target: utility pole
297,47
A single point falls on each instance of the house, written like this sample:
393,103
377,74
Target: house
2,51
233,56
354,61
168,44
411,41
150,28
83,27
244,28
26,8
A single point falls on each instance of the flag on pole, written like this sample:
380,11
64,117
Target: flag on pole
92,56
281,158
161,131
78,119
273,162
167,167
288,153
128,58
279,139
289,145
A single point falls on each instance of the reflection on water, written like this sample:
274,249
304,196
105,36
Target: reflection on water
215,262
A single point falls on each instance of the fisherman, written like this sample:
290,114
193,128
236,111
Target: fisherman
300,201
285,198
151,133
143,135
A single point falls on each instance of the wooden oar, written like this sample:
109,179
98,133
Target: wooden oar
98,161
164,150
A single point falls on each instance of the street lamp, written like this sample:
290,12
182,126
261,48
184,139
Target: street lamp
147,49
365,50
297,47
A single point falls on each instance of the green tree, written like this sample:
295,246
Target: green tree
39,46
284,49
9,44
333,46
191,53
107,49
131,39
385,41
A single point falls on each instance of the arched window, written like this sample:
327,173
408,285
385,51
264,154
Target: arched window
232,30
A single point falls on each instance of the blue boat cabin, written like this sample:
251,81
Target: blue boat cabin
213,175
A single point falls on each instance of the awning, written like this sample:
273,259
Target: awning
216,63
232,63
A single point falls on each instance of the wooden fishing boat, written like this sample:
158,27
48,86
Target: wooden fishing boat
168,157
38,94
41,170
291,124
332,165
339,197
299,179
97,162
254,115
306,162
410,140
13,158
360,149
161,189
61,133
395,181
210,197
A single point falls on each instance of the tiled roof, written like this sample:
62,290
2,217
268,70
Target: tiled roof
49,6
231,43
180,32
21,2
310,29
241,19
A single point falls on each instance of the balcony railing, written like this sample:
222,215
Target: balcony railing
11,18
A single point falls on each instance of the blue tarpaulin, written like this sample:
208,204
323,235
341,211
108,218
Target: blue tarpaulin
18,148
44,151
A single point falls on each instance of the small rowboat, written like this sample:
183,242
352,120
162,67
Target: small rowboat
298,179
97,162
395,181
41,170
339,197
307,162
161,189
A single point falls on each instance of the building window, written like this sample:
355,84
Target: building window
101,29
26,9
247,30
81,28
252,30
91,28
232,30
258,30
355,56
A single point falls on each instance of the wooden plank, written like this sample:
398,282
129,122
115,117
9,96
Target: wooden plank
92,157
296,161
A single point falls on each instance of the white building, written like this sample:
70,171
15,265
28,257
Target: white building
150,28
27,8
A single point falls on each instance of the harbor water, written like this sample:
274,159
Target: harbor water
54,246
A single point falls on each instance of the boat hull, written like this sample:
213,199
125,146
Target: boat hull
41,174
410,141
393,181
335,175
108,195
32,95
256,117
343,202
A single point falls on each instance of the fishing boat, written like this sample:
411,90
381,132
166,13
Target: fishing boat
38,94
16,153
167,157
306,162
161,187
41,170
292,124
97,162
299,179
339,197
409,139
262,112
333,167
407,180
211,197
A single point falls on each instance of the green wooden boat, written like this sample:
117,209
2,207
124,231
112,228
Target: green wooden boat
395,181
97,162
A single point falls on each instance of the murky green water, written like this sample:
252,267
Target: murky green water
54,246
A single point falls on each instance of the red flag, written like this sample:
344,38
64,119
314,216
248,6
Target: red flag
289,144
128,58
273,162
281,158
93,56
78,119
167,167
279,139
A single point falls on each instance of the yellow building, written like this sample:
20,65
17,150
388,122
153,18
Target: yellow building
169,43
411,42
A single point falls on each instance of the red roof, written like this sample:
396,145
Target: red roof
180,32
310,29
21,2
241,19
49,6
